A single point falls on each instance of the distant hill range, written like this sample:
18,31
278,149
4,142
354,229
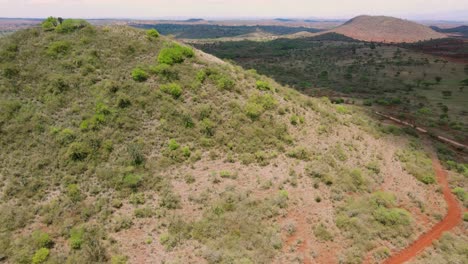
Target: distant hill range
461,31
386,29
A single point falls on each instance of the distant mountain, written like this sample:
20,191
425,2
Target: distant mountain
461,31
284,19
386,29
193,20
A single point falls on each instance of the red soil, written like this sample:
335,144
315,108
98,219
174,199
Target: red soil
452,219
301,234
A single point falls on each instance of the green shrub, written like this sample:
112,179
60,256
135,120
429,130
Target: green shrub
137,198
186,152
152,34
40,256
253,110
281,200
341,109
58,48
201,76
70,25
207,127
460,193
465,216
123,101
144,212
122,223
139,75
132,181
173,145
42,239
296,120
76,237
173,89
49,24
175,54
224,83
392,216
263,85
74,193
267,101
418,164
10,72
169,200
300,153
165,71
136,153
78,151
322,234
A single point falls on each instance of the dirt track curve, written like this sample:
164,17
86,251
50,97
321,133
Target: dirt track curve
452,219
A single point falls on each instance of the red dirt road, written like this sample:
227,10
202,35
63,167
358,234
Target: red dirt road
452,219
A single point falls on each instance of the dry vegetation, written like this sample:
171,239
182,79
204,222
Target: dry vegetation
146,151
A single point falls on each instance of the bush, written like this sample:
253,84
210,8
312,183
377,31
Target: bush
392,216
58,48
40,256
49,24
175,54
165,71
418,164
76,237
152,34
70,25
173,145
300,153
136,153
460,193
263,85
169,200
143,212
322,234
74,193
10,72
253,110
78,151
224,83
296,120
139,75
132,181
42,239
173,89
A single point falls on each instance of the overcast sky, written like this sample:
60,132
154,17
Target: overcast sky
411,9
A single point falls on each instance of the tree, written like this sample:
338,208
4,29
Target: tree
60,20
49,24
438,79
152,34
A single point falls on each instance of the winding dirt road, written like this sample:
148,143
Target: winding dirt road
452,219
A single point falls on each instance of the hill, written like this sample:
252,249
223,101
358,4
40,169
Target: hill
461,31
386,29
120,145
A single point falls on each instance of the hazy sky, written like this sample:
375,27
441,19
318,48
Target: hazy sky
416,9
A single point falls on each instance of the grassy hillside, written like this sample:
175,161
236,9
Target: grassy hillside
119,145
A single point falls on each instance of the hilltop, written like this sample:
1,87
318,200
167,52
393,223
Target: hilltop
386,29
121,145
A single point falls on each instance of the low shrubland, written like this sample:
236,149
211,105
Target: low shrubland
369,218
417,163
